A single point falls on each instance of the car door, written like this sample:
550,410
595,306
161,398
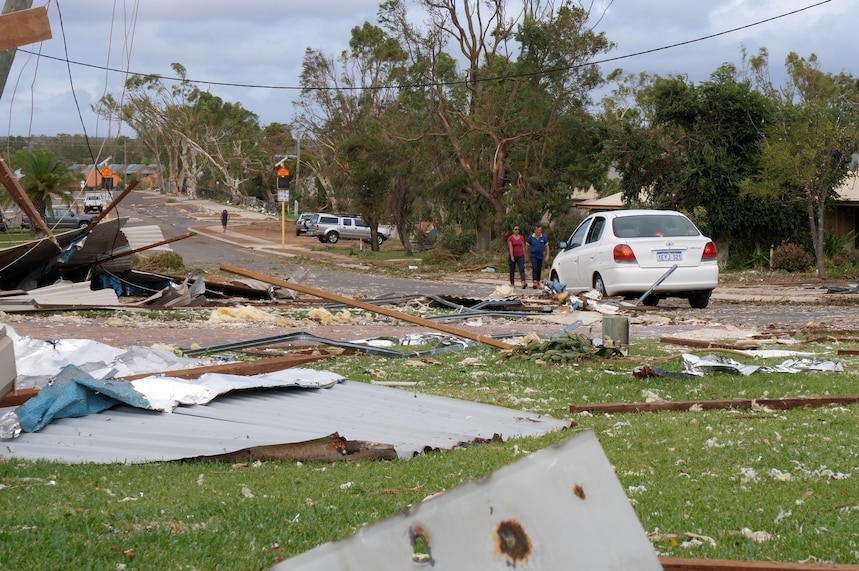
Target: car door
592,253
566,263
347,228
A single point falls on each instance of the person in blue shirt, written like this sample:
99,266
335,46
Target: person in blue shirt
538,250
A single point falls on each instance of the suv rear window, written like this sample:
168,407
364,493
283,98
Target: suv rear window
327,220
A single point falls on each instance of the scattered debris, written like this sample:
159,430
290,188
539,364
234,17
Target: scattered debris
700,366
367,306
559,349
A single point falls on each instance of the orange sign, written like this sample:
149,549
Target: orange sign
106,172
283,171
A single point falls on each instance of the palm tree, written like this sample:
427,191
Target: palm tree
44,178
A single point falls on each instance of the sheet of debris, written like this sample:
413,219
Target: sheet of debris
700,366
94,417
559,508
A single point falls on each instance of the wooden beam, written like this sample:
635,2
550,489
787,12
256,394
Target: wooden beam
705,344
23,27
741,404
675,564
239,368
7,179
19,397
366,306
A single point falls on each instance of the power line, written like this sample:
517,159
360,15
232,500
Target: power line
418,85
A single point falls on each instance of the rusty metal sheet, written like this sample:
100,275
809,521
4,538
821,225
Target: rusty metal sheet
559,508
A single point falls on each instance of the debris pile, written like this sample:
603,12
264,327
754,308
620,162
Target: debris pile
561,349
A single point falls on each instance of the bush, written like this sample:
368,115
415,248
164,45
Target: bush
833,245
849,257
457,243
791,258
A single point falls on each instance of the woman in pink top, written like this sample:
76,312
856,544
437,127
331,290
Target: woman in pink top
516,256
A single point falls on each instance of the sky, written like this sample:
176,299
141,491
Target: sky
262,43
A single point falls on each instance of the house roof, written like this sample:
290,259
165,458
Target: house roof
849,189
611,202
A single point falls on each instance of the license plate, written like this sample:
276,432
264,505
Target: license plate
669,256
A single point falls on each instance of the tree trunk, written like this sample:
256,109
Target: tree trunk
816,225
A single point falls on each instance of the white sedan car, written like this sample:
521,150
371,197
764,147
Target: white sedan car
630,253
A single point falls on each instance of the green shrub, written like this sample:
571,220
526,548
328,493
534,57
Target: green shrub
791,258
457,243
846,258
833,245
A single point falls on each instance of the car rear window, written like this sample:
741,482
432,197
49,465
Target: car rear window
653,225
327,220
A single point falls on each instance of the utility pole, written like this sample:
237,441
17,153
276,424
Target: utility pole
8,56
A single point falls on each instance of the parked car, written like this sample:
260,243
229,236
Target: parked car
61,217
332,228
96,201
3,224
628,252
301,223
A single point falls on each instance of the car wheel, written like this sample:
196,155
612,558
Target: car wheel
83,224
333,237
380,239
599,285
700,299
297,232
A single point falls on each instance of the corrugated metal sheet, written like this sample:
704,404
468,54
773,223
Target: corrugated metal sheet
142,236
357,411
64,294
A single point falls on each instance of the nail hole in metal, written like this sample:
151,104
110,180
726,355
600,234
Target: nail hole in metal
513,541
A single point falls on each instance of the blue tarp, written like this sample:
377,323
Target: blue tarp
72,394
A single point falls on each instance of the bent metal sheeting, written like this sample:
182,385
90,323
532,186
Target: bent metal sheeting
411,422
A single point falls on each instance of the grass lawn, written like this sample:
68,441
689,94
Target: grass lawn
701,482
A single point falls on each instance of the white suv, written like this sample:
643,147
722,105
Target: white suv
332,228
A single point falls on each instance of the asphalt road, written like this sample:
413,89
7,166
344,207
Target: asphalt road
210,248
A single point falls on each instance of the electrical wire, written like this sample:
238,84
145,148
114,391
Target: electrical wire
448,83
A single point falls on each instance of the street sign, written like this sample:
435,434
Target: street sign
283,196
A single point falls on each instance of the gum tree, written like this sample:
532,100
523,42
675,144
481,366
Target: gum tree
524,68
808,149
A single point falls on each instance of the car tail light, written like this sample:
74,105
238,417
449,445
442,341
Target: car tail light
623,253
710,251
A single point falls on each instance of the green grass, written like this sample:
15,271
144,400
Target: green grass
792,474
14,236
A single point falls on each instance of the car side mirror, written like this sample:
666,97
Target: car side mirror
562,245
